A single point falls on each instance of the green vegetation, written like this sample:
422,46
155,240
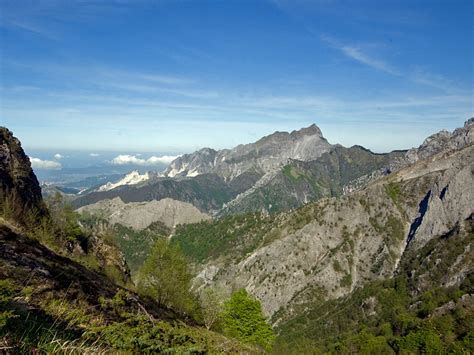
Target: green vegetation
291,172
7,291
65,218
380,319
136,245
211,239
165,278
410,313
61,326
336,266
394,228
346,281
211,300
142,333
393,191
243,319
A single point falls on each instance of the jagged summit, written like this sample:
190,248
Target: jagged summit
264,156
443,141
308,131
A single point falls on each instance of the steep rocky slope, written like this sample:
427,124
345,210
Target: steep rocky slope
20,194
329,248
139,215
334,173
425,308
23,207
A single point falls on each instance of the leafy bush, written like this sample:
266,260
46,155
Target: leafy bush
211,300
165,278
243,319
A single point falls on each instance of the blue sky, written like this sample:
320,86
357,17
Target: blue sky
174,76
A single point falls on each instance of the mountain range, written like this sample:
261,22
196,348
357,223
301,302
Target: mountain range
348,251
277,173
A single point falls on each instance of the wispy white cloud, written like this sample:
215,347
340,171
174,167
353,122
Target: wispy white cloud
37,163
94,155
143,88
58,156
424,77
106,79
29,27
126,159
418,76
164,79
359,55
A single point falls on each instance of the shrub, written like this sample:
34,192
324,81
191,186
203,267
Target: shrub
165,278
243,319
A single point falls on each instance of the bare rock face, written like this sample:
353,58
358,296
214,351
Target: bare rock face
267,154
443,141
20,193
449,201
139,215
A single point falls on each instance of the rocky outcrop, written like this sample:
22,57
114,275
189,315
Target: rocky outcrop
22,204
20,193
139,215
443,141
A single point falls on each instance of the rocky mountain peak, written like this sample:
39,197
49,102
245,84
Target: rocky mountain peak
20,192
311,130
265,155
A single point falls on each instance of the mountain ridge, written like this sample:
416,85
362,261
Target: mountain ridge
264,155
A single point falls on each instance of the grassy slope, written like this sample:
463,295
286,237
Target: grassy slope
51,303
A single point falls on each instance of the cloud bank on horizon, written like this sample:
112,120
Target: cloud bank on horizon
381,74
37,163
126,159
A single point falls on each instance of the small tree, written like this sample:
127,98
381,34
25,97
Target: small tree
165,277
243,319
212,302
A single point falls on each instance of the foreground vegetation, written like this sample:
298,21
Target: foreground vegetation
71,303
